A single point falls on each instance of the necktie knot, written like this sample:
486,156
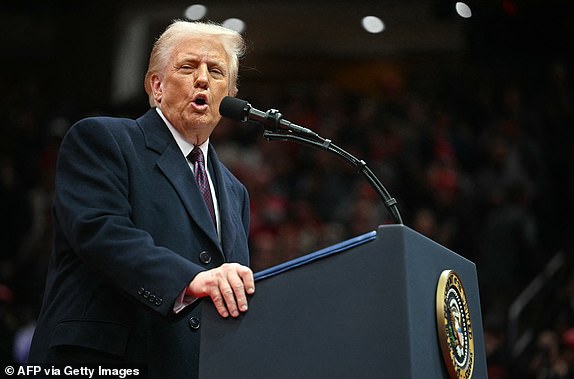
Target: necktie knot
196,155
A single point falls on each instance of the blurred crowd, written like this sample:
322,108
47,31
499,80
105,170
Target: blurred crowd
481,162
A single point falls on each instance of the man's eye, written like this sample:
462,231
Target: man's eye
187,67
216,72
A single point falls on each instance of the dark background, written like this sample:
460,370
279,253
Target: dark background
467,122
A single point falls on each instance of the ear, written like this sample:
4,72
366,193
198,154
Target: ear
156,87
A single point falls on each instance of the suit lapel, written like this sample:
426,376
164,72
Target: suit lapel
175,168
226,210
184,183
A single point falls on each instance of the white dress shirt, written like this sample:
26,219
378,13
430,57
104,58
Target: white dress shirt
184,300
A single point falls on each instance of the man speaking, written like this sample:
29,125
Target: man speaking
147,220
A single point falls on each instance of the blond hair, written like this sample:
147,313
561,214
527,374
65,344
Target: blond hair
232,41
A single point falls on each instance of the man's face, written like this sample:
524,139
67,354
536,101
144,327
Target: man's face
192,86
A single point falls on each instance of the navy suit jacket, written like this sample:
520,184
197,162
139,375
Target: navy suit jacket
130,232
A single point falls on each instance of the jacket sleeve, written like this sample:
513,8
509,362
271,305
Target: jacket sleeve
92,207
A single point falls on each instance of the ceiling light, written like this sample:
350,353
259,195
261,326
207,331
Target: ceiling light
373,24
234,24
463,10
195,12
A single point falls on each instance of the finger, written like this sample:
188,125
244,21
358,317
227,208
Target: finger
219,302
248,282
229,298
236,283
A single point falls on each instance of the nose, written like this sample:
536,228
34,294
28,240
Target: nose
202,76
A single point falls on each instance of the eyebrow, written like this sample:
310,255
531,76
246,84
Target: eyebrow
195,57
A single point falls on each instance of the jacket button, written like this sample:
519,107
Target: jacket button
151,298
205,258
158,301
194,323
141,291
146,294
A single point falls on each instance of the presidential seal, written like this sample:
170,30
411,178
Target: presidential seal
454,326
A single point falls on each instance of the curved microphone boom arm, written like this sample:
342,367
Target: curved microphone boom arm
276,128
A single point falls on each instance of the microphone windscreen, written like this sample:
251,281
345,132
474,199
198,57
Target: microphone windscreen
234,108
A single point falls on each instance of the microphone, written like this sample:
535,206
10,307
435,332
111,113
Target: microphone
240,110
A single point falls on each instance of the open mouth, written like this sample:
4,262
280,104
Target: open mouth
200,100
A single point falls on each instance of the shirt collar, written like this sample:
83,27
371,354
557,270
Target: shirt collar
184,146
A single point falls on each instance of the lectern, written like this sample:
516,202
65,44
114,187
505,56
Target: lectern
375,306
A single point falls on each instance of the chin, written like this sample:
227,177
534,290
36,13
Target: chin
200,125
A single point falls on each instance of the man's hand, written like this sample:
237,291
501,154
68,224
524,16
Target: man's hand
227,286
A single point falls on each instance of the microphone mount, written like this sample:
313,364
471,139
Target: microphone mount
277,128
273,121
326,144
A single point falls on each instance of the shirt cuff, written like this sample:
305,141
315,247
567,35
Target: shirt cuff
182,301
